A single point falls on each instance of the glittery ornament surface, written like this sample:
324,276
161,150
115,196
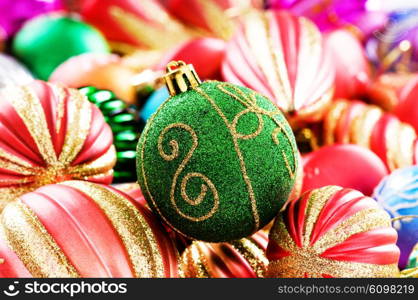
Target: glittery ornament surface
126,127
244,258
333,232
282,57
47,233
50,134
355,122
397,193
217,162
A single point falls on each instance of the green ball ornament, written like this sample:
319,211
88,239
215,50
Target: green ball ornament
47,41
216,161
126,127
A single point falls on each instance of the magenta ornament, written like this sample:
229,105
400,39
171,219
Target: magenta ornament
332,14
13,13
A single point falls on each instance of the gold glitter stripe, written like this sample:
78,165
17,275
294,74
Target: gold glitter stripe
79,122
101,165
30,110
133,229
318,198
253,254
31,242
281,235
405,146
409,273
362,221
240,158
148,34
336,111
193,263
216,19
59,93
12,166
175,152
365,125
299,265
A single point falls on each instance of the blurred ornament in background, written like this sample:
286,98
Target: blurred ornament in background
332,232
244,258
398,195
14,13
82,229
213,17
352,70
205,54
66,36
355,122
50,134
12,72
282,57
153,102
126,128
144,23
343,165
102,70
333,14
395,46
387,89
407,108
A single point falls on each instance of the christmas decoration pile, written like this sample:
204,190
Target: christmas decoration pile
208,139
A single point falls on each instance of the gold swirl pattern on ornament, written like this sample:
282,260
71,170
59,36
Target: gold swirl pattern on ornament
35,247
208,183
133,229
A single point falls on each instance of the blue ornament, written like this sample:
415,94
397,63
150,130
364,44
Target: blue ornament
153,102
397,193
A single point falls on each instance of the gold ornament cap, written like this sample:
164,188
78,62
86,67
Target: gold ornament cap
180,77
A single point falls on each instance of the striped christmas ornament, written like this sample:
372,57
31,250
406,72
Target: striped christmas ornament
333,232
244,258
50,134
355,122
82,229
282,57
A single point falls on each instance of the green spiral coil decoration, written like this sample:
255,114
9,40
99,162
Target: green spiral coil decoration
126,127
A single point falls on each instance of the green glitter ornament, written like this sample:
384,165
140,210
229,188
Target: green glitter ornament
47,41
216,161
126,127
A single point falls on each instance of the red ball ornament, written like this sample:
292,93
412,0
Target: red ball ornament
82,229
388,89
205,54
349,166
244,258
352,70
282,57
50,134
407,108
144,23
333,232
355,122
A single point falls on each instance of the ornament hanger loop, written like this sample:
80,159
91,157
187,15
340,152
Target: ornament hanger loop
180,77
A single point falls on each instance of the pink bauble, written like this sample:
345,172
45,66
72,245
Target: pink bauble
205,54
349,166
407,109
352,70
